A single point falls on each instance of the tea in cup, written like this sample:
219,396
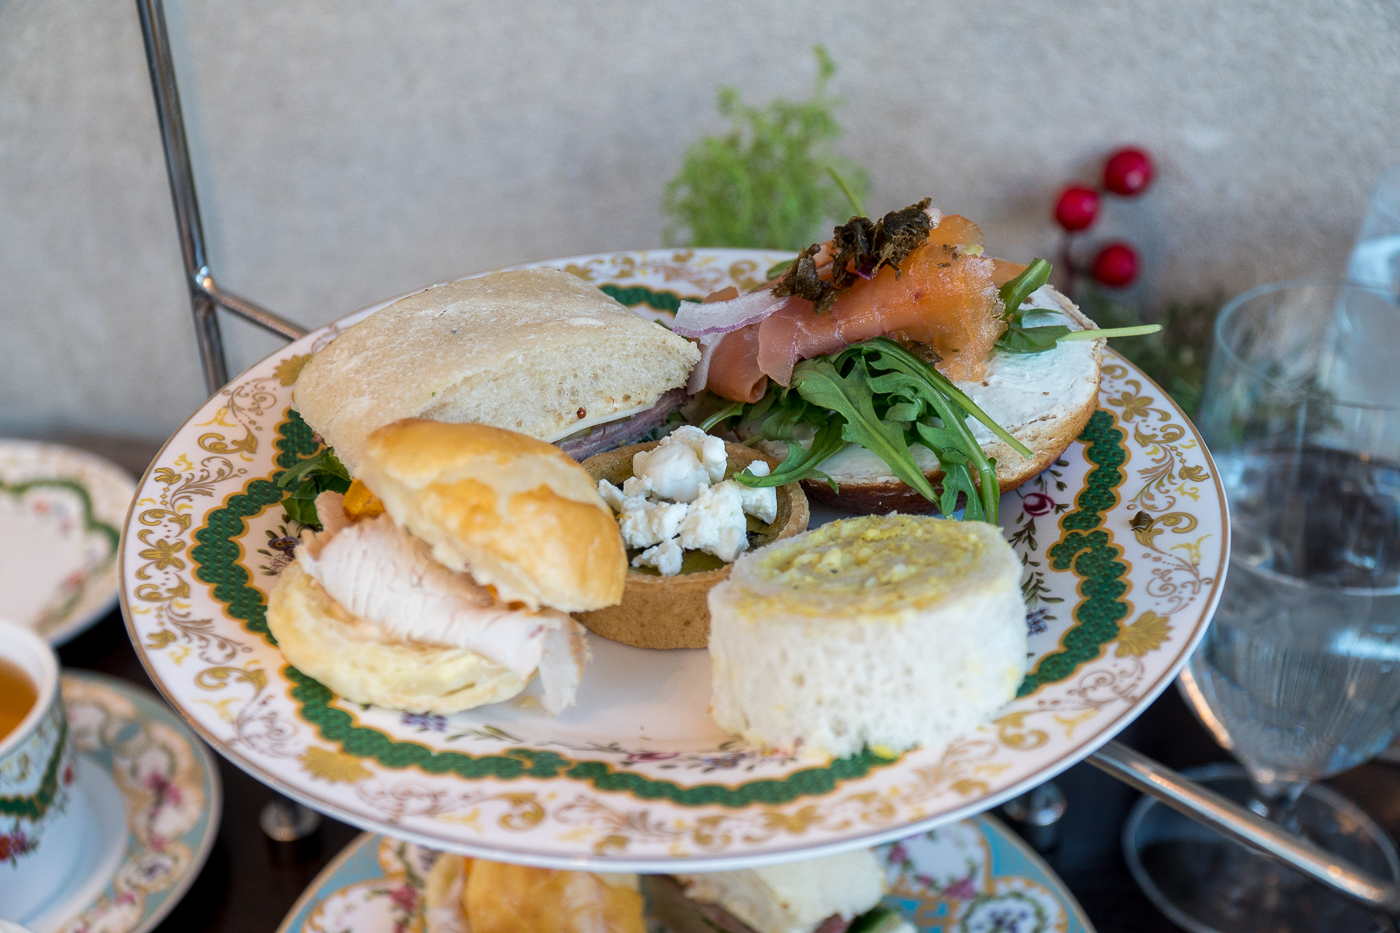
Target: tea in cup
42,812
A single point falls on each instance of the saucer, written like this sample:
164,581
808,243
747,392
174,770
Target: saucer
154,791
61,511
971,875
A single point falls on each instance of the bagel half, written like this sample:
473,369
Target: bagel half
1041,399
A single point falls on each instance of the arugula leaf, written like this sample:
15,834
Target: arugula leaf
308,479
1022,339
1015,292
1031,339
942,383
819,382
801,463
876,920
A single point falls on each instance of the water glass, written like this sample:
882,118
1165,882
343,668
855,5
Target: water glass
1299,673
1375,260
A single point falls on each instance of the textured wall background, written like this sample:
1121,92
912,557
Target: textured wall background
348,151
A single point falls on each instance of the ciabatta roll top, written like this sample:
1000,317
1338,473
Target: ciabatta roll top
537,351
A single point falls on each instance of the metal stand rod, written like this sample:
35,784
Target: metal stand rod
1245,826
284,820
205,296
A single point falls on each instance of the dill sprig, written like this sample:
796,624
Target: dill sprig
767,183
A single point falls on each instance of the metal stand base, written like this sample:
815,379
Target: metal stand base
285,820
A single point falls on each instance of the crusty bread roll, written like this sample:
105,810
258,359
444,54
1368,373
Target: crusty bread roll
673,612
795,896
516,513
881,631
501,898
538,351
1042,399
357,662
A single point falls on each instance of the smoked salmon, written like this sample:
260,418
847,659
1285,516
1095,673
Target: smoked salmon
943,295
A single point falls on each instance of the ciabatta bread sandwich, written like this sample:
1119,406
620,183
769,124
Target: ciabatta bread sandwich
441,580
821,895
465,895
540,352
896,366
879,632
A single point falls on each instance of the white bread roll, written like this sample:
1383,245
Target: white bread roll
516,513
881,631
538,351
795,897
356,661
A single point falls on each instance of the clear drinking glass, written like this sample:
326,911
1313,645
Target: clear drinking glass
1375,260
1299,672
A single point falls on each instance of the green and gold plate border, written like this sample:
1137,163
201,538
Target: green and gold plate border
1124,541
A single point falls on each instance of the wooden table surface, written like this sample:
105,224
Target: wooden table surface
250,883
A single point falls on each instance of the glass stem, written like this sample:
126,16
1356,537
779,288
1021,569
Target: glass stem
1276,800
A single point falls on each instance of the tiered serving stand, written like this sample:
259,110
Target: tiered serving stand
1125,542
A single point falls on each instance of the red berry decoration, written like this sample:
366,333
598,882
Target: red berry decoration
1127,172
1116,265
1077,208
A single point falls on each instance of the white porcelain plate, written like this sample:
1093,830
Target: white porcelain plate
60,514
1123,539
154,794
971,875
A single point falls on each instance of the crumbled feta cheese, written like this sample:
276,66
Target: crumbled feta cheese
636,487
707,447
611,495
665,557
644,523
716,523
762,502
673,471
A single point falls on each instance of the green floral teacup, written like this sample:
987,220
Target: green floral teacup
42,814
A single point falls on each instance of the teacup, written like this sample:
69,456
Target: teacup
42,812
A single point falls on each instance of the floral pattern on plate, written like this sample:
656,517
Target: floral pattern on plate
170,787
60,514
1123,540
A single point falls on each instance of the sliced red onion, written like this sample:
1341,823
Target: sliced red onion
720,317
701,373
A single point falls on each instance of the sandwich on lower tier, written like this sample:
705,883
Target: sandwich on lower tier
441,580
897,367
833,894
536,351
465,895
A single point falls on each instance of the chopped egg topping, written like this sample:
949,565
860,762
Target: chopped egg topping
678,499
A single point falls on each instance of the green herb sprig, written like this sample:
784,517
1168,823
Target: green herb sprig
765,183
1019,338
308,479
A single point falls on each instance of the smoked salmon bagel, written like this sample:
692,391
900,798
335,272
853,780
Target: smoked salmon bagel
897,367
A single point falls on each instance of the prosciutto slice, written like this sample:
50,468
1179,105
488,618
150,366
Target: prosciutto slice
734,371
944,295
